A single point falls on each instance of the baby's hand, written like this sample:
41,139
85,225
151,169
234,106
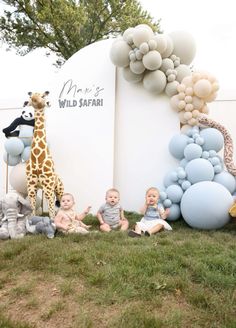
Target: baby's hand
87,210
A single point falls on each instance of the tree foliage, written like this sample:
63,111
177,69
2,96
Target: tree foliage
65,26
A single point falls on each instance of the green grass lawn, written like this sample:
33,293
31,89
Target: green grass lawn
184,278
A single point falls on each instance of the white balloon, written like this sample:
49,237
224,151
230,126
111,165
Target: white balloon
119,53
161,40
169,49
154,81
128,33
142,34
152,60
166,64
171,88
137,67
182,72
184,46
130,76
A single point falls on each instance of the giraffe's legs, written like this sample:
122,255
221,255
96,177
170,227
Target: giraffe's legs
50,196
32,192
59,188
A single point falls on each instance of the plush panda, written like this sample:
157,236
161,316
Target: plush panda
22,125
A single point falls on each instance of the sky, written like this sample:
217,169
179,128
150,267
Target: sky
211,23
213,26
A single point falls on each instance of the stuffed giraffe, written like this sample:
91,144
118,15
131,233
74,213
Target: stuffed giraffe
40,166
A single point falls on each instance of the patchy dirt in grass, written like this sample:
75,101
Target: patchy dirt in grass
61,303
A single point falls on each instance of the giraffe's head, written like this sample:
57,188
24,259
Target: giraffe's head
37,100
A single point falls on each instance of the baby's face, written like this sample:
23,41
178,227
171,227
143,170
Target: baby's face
112,198
152,197
67,202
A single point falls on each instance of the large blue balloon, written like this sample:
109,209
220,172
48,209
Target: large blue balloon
205,205
227,180
199,169
174,193
174,212
213,139
177,145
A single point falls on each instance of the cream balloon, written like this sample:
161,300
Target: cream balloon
154,81
119,53
152,60
184,46
137,67
142,34
171,88
182,72
131,76
169,49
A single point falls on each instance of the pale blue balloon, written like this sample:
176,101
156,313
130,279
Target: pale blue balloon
11,160
192,151
163,195
167,202
185,185
168,179
190,140
174,193
175,212
199,141
218,169
14,146
26,153
183,162
181,174
212,153
205,205
177,144
215,160
227,180
174,176
199,169
205,154
213,138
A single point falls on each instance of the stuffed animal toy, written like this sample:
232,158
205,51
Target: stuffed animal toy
232,210
21,124
41,225
13,212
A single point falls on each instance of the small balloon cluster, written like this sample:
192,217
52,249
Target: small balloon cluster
160,61
199,162
193,93
19,136
17,150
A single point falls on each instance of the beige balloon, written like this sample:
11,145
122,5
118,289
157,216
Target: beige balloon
154,81
119,53
184,46
131,76
152,60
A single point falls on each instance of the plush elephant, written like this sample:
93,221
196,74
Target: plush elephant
14,209
41,225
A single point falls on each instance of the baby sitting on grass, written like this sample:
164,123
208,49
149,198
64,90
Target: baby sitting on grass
154,217
67,220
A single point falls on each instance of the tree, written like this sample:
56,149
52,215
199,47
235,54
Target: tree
65,26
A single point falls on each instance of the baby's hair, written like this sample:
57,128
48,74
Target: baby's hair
152,188
112,190
68,194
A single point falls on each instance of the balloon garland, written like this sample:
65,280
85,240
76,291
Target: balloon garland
161,63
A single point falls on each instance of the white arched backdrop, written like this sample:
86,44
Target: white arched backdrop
104,131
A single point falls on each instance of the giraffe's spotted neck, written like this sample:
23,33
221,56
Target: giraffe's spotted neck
39,128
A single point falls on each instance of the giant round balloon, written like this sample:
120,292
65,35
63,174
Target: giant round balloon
205,205
18,179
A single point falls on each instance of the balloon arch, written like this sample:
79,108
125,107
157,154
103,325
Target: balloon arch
200,189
